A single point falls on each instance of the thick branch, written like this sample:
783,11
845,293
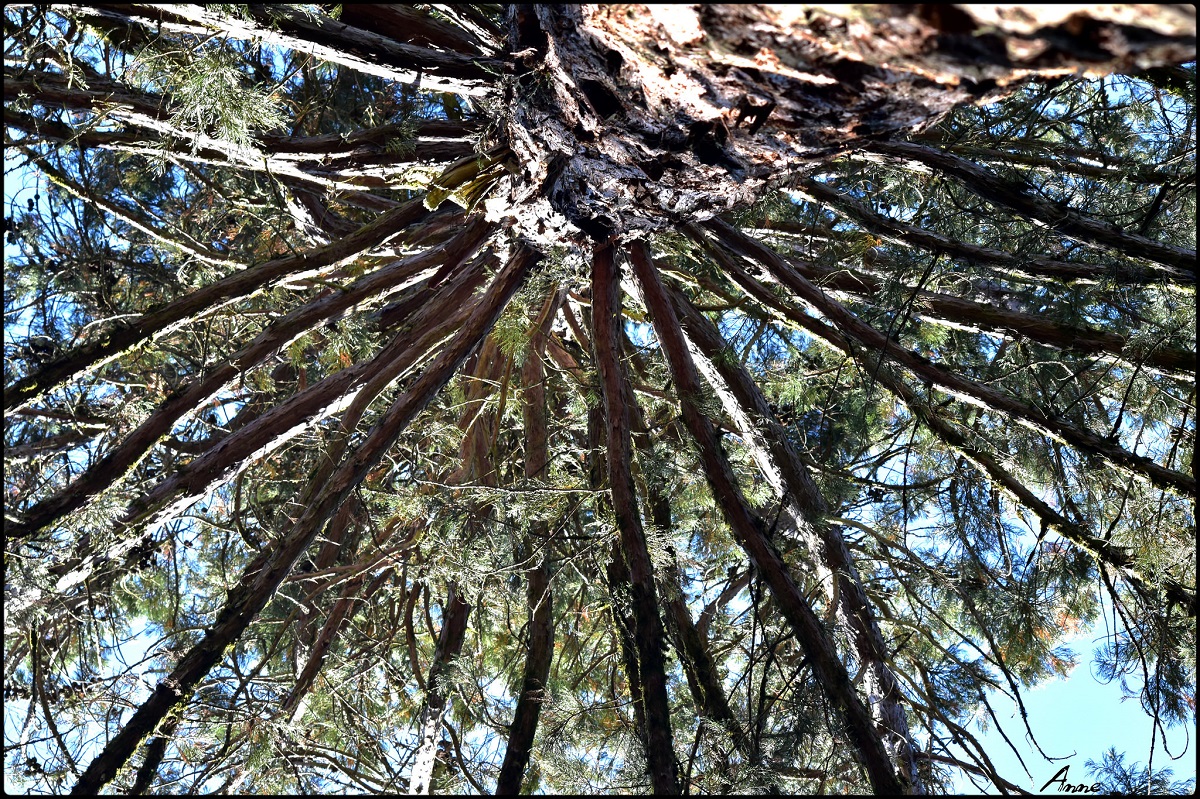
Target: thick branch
941,426
1046,421
279,334
1178,264
539,601
750,533
263,576
208,299
1031,265
805,509
606,320
329,40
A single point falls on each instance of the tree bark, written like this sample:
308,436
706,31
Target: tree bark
805,509
607,321
208,299
429,728
1043,421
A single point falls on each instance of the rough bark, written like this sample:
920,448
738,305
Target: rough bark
618,138
155,751
606,318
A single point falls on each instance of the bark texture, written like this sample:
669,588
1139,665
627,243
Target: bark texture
633,553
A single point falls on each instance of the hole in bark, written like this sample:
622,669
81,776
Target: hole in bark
851,73
988,48
710,153
582,133
614,60
653,169
601,98
529,32
753,73
599,228
946,18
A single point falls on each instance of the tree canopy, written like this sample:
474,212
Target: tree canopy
498,399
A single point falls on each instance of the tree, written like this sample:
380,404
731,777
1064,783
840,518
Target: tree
1117,778
564,398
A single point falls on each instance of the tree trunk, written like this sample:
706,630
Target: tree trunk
598,129
636,119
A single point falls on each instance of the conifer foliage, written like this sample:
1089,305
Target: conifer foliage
481,398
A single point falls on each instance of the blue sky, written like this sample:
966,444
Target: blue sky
1078,718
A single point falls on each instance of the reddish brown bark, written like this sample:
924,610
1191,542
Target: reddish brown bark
114,465
961,442
207,299
1045,421
805,509
607,320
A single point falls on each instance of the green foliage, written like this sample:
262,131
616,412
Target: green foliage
978,536
1114,777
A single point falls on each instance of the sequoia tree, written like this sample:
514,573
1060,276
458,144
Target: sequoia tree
572,398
